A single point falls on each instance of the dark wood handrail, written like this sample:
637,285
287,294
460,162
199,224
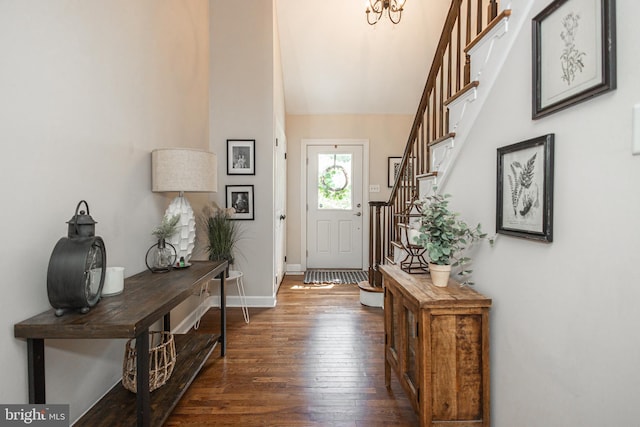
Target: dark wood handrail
453,17
445,39
448,76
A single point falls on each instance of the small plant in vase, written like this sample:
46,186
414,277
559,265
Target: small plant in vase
445,236
163,253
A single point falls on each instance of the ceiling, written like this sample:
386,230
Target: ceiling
335,63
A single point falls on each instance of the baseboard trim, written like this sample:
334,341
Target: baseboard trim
214,301
234,301
295,269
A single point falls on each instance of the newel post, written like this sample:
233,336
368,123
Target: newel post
375,242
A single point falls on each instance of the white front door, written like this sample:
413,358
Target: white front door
334,206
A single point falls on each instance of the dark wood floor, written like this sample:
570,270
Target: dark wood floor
314,360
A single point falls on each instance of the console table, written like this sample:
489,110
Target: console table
146,299
437,342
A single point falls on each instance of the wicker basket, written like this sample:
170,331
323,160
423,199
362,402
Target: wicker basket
162,359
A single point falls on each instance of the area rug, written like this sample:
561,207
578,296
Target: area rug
335,277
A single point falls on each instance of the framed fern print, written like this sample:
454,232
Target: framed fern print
574,53
525,189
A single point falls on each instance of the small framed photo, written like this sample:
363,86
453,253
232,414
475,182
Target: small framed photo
393,169
574,53
241,156
524,202
240,197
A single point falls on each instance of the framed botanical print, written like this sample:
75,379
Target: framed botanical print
241,156
525,189
574,53
240,197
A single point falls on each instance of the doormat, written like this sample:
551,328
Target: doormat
336,277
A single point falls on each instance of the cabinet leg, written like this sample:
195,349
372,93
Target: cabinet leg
35,362
387,374
143,396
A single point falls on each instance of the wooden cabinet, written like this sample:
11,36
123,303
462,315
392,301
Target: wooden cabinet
437,343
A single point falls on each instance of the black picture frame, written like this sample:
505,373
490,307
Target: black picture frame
393,165
240,197
393,168
241,156
524,200
574,54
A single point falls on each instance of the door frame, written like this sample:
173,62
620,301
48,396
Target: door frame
280,147
365,194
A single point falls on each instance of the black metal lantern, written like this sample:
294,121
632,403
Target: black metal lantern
77,266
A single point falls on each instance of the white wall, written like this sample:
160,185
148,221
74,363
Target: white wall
88,90
242,107
564,339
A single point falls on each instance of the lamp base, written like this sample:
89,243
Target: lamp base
185,238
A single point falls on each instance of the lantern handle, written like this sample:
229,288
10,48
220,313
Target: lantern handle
75,225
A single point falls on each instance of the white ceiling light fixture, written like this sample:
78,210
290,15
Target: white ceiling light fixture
377,7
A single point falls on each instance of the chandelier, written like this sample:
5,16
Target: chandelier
377,8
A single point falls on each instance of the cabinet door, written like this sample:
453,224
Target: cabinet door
459,370
394,327
411,352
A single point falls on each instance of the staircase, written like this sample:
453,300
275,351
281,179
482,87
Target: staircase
471,51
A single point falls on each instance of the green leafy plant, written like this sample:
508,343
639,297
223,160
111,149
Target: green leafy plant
223,233
444,234
167,228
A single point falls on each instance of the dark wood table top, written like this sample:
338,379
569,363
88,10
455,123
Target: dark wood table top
146,298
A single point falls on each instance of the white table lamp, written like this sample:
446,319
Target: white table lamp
183,170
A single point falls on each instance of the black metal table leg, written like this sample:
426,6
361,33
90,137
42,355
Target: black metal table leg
143,396
223,316
167,322
35,362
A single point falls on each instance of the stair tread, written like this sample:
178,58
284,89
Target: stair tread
399,245
474,84
494,22
365,286
413,215
434,173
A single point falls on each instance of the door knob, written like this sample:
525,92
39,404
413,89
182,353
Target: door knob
358,214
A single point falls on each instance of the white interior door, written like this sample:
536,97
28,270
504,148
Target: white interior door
280,203
334,206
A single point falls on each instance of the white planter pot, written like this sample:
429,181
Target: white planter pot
440,274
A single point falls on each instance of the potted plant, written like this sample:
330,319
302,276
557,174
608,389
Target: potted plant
223,233
444,235
163,257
